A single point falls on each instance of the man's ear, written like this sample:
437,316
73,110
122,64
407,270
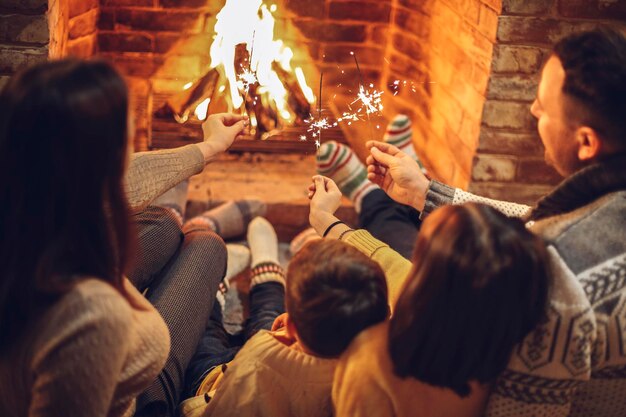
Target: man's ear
589,143
292,333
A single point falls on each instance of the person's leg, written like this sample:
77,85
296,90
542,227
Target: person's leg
267,280
184,294
395,224
158,239
215,348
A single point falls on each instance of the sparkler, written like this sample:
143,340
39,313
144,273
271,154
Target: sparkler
370,99
318,142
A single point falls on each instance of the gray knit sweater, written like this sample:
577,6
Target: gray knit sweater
574,362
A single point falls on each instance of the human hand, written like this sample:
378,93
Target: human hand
324,194
397,174
220,131
280,322
325,199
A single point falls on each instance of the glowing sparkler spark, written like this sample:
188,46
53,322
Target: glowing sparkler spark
245,80
303,138
317,144
371,100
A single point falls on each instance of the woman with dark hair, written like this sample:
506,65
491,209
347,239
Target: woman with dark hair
478,285
76,338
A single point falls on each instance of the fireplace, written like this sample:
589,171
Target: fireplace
465,71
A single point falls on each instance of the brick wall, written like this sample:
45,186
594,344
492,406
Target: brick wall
82,28
442,49
32,31
509,162
25,37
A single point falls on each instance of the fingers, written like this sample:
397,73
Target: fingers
383,147
383,158
319,182
230,119
331,186
238,127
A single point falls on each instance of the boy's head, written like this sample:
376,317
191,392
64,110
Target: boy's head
333,292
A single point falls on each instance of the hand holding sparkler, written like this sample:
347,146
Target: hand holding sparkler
220,131
397,174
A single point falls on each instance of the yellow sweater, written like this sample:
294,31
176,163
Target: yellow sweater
395,266
365,385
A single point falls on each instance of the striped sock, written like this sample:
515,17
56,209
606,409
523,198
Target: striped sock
400,134
339,163
229,219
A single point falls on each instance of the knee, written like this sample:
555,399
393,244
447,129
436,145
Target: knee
207,245
165,226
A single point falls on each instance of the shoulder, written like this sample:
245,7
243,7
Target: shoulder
92,306
366,355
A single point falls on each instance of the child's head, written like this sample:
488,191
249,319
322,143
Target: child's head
479,284
333,292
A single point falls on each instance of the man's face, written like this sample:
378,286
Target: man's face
549,108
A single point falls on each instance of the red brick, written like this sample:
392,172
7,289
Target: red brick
26,29
494,168
182,66
77,7
354,10
408,69
135,65
307,8
106,19
83,25
521,144
510,115
409,46
494,4
511,58
14,58
517,193
379,34
327,31
538,30
166,42
125,42
512,87
536,171
599,9
527,7
159,20
215,5
342,54
416,5
129,3
488,23
348,77
416,24
84,47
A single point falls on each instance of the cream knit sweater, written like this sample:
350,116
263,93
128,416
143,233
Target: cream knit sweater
93,351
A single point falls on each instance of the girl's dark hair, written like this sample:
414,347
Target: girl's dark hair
63,146
479,284
333,293
595,81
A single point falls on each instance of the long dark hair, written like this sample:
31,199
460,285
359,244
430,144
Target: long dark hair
479,284
64,214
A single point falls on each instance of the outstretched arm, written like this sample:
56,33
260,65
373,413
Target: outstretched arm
150,174
402,179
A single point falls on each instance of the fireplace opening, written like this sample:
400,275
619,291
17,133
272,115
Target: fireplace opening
465,72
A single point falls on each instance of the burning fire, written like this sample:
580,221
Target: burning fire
255,77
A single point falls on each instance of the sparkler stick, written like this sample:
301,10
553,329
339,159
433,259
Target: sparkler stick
318,142
362,91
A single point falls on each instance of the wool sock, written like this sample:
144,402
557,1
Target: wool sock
174,199
229,219
339,163
264,250
399,133
302,238
238,260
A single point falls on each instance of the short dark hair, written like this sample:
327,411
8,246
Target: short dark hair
64,214
479,284
333,293
595,81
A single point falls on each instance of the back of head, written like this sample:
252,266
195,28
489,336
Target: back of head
479,284
63,146
333,293
595,82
